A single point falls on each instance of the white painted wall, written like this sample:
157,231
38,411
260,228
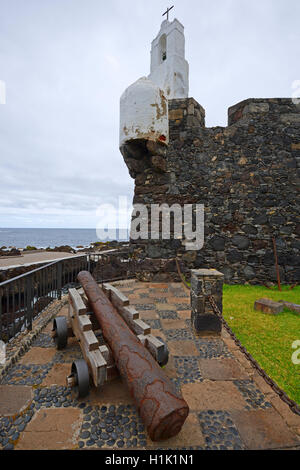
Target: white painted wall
144,113
144,105
171,74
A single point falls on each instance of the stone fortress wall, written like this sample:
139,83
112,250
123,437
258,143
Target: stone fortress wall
246,175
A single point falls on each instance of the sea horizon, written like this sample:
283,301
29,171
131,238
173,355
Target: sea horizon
21,237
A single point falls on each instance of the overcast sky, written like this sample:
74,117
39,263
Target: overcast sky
66,63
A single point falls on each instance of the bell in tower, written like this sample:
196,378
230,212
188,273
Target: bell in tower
169,69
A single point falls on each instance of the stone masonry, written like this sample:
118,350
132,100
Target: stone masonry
246,175
205,283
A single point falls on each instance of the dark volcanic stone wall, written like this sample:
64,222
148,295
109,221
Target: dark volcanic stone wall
245,175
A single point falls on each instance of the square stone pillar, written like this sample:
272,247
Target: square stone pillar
206,282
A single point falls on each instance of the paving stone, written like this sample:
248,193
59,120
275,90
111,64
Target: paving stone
212,348
263,429
244,362
221,369
149,315
159,333
296,431
14,398
187,369
144,296
168,314
38,356
21,374
140,301
158,285
70,354
115,428
52,429
64,311
114,392
166,307
253,396
286,413
189,436
262,384
183,348
57,375
180,334
154,323
143,306
175,285
156,299
9,447
169,324
219,431
55,395
184,314
170,368
185,301
179,291
215,395
230,344
44,340
225,334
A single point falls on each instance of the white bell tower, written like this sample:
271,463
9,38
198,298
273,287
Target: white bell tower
169,69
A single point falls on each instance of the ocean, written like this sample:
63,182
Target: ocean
49,237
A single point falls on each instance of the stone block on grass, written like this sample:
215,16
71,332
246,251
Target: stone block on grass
268,306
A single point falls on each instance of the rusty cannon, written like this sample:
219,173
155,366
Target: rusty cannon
132,351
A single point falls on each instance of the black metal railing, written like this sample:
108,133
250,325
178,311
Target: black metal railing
23,297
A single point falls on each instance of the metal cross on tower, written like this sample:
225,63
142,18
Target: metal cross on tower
167,12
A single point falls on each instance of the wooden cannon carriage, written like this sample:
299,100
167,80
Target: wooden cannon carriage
98,363
114,340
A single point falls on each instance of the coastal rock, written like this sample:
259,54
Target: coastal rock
63,249
11,252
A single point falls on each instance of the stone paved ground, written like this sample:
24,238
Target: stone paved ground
231,407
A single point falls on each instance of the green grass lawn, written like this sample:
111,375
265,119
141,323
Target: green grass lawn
268,338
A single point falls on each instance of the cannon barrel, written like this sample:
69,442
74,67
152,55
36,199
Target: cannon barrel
161,407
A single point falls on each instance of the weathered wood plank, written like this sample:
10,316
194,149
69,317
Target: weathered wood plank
77,303
89,346
117,298
106,289
154,346
98,367
105,352
129,314
90,340
142,339
85,323
131,317
140,327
